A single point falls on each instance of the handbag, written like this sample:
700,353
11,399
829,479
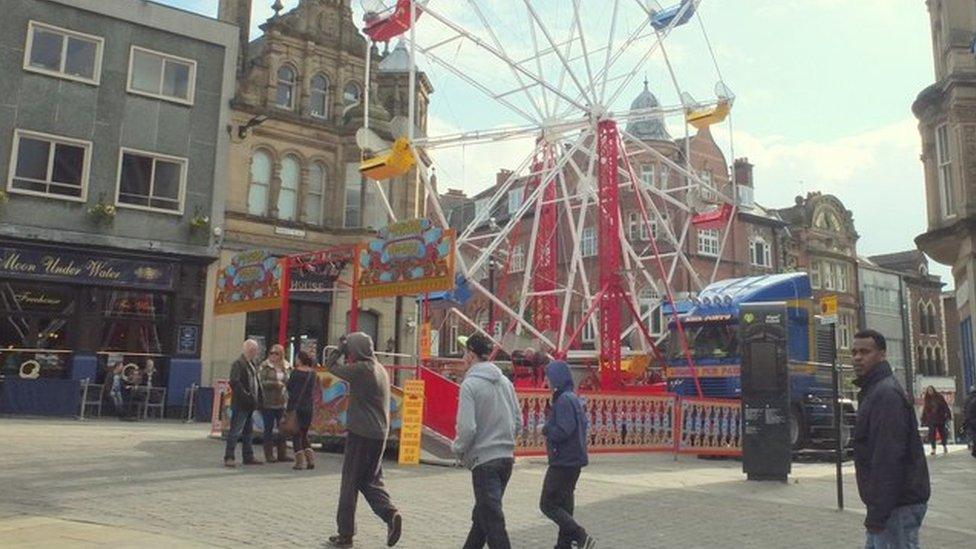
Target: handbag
288,426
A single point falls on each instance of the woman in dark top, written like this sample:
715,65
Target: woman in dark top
935,414
300,386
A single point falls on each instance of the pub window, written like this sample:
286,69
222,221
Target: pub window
63,53
161,75
48,165
134,322
288,194
35,328
151,181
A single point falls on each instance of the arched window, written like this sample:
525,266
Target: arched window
288,194
920,360
285,94
352,95
939,368
315,194
929,361
257,192
923,318
319,96
759,253
933,319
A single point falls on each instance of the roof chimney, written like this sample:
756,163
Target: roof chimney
743,171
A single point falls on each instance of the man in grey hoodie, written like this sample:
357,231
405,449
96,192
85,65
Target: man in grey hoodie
487,420
367,424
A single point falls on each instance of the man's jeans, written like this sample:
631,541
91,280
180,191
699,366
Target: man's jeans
557,503
901,530
487,519
241,424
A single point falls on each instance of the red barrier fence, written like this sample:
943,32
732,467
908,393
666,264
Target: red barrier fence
618,422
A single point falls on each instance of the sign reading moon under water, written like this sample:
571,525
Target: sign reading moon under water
410,257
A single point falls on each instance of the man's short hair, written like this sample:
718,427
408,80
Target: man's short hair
479,345
879,340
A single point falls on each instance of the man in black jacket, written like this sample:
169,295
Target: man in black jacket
892,476
246,397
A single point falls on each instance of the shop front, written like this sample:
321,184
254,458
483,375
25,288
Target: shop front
69,314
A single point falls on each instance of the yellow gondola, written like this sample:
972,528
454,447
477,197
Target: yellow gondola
395,163
702,118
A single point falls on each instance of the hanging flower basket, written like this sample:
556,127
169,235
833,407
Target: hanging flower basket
199,222
102,212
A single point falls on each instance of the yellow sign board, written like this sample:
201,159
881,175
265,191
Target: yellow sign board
828,309
412,422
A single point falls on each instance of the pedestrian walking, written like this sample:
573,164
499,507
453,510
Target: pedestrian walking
935,415
565,432
889,459
274,377
300,387
245,399
487,420
367,425
970,419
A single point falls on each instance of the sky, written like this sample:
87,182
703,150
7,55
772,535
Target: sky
823,97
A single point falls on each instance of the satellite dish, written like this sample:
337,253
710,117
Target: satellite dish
368,140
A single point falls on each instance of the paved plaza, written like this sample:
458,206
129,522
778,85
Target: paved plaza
78,484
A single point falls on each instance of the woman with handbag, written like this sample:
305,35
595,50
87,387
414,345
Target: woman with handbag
273,374
298,418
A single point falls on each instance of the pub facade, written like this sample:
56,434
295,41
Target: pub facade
112,120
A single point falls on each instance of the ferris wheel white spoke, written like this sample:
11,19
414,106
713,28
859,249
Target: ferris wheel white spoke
533,197
538,64
582,34
508,310
606,62
654,47
562,59
530,260
456,71
502,57
503,190
481,16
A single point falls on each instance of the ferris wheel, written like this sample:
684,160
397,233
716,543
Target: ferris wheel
558,74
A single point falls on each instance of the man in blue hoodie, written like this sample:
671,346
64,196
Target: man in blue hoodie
487,420
565,432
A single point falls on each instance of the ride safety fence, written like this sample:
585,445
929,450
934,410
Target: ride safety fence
618,421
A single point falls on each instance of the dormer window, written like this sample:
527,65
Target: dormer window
285,94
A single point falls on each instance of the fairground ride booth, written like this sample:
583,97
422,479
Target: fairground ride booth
68,316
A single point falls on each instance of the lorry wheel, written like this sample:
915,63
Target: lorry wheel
798,429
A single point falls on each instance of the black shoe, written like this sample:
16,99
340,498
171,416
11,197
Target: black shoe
393,529
586,542
340,541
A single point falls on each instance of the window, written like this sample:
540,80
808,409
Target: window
161,75
151,181
923,319
518,259
828,273
315,194
947,196
353,197
480,206
319,97
647,176
515,199
643,228
374,210
933,319
588,242
844,330
707,193
633,226
288,194
939,370
650,311
760,254
588,334
815,274
257,192
452,342
841,276
351,95
746,199
665,174
285,91
708,242
47,165
63,53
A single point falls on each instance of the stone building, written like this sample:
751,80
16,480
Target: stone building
294,183
113,141
946,111
884,308
751,248
823,242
